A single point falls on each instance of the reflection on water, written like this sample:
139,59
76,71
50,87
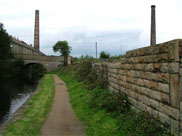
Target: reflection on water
11,98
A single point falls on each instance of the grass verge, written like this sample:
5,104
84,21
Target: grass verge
98,120
35,115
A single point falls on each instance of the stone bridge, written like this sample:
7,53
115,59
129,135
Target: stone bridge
49,62
30,55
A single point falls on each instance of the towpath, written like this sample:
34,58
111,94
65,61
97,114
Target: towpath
61,120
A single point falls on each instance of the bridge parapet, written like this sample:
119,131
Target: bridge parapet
40,58
20,47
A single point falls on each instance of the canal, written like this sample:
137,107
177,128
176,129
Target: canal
12,96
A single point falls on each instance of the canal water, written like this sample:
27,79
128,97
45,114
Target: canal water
13,96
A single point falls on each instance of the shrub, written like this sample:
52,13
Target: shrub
83,70
112,102
104,55
85,73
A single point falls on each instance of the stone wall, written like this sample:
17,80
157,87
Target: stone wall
152,79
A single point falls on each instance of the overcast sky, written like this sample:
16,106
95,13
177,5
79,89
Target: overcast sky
116,25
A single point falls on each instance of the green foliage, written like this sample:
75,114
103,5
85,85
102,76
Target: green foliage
16,70
5,41
110,101
104,112
36,114
34,72
5,54
3,74
117,57
104,55
12,71
84,57
62,47
141,124
85,72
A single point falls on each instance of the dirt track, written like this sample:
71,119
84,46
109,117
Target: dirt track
62,120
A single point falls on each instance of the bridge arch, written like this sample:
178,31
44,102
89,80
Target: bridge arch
48,65
29,63
49,62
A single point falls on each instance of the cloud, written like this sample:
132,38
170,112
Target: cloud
110,23
83,41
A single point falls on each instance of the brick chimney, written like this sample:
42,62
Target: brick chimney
36,30
153,27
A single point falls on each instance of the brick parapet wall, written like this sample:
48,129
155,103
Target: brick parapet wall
152,79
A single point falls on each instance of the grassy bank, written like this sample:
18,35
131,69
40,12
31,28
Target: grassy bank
35,115
98,109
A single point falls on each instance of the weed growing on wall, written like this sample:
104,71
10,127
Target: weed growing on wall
85,73
112,102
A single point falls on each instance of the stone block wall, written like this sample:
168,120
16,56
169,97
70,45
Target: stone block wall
152,79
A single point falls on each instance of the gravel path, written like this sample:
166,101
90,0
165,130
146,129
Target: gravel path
62,120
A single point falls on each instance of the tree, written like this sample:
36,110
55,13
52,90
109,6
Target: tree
5,54
5,42
104,55
63,48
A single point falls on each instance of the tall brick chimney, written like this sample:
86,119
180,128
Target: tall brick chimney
153,27
36,30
